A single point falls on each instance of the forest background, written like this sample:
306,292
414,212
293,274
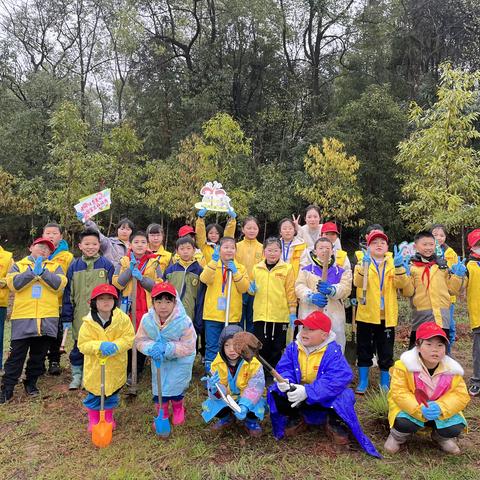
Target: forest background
368,108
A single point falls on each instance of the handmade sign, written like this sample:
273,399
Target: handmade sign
90,205
214,198
407,249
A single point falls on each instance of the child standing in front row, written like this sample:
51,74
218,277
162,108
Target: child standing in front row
427,389
215,277
249,253
378,317
166,334
472,283
275,303
106,332
244,381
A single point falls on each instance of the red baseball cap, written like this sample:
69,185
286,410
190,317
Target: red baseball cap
316,321
46,241
163,287
104,289
330,227
376,234
473,237
185,230
429,330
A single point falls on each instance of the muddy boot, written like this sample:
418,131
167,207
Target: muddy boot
30,385
448,445
336,432
223,423
54,368
77,377
295,426
395,440
6,394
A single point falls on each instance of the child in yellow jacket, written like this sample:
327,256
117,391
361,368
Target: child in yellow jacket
427,389
215,277
275,302
249,253
433,284
156,238
472,285
378,317
106,333
292,246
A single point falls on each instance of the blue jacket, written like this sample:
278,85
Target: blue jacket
329,390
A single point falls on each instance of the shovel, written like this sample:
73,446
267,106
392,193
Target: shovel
133,312
64,341
351,345
162,425
363,300
102,431
229,291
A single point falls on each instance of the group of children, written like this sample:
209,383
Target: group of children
128,292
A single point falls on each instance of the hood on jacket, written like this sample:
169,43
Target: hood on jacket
412,362
227,333
61,247
331,338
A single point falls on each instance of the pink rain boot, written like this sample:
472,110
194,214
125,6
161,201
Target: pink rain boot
109,418
178,412
93,418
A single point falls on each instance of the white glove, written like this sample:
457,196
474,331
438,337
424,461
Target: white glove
283,386
298,395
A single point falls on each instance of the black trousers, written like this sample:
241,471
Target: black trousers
274,338
414,333
404,425
37,348
54,350
371,339
284,407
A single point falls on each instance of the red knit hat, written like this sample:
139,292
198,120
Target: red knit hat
163,287
185,230
46,241
104,289
329,227
429,330
316,321
473,237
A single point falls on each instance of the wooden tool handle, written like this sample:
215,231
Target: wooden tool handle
363,300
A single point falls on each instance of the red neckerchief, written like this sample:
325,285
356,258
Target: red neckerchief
426,269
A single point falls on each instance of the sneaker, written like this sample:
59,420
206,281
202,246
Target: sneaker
5,396
54,368
223,423
31,388
337,434
253,428
294,427
474,390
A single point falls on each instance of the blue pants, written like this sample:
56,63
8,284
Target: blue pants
175,398
92,402
247,312
3,315
212,334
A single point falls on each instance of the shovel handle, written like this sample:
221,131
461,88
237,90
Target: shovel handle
229,295
363,300
159,382
64,341
103,361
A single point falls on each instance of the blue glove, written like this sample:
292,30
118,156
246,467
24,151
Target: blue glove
231,213
157,350
397,257
67,325
291,318
326,288
202,212
253,287
38,267
216,253
211,381
232,267
136,273
108,348
459,269
242,414
406,264
318,299
367,259
432,412
133,261
79,215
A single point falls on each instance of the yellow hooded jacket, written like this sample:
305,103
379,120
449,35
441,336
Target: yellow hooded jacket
395,278
401,396
201,236
212,277
472,285
90,337
6,263
164,258
275,297
249,253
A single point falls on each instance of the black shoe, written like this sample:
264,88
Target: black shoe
5,396
54,368
31,388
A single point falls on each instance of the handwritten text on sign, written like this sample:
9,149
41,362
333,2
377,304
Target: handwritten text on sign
93,204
